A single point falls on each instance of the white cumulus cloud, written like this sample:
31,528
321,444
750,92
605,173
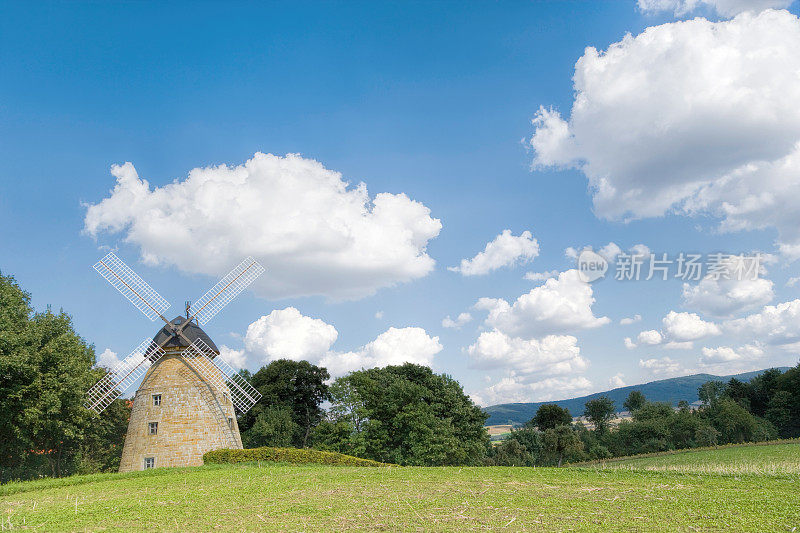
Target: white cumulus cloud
630,320
504,251
726,354
692,117
775,324
559,305
731,292
460,320
514,389
682,327
313,231
663,366
553,354
650,337
108,359
616,381
288,334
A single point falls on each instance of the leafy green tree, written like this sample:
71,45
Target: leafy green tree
510,453
408,415
790,382
706,435
634,401
643,436
561,442
530,438
779,412
103,439
273,426
736,424
653,411
45,370
549,416
710,391
600,411
297,386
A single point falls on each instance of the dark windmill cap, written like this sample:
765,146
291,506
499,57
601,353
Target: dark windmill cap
192,332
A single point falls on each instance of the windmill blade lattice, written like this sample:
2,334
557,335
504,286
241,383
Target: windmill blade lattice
223,292
132,287
243,395
122,376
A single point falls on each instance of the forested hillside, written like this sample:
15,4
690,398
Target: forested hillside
671,390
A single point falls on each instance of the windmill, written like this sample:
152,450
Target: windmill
185,404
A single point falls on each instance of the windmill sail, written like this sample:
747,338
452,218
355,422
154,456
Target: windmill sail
131,286
226,290
243,395
122,376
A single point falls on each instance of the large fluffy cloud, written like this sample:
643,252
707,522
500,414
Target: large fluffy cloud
394,346
559,305
679,330
514,389
774,324
505,250
313,232
693,117
551,355
726,8
730,294
526,340
288,334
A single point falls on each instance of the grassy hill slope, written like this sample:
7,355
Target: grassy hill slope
753,458
670,390
280,497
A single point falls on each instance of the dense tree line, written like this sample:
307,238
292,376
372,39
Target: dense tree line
45,370
765,408
398,414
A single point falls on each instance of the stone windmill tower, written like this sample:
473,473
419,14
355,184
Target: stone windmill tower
185,404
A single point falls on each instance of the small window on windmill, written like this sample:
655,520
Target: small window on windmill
230,422
149,462
156,400
153,427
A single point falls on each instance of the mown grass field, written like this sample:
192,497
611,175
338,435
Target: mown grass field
766,459
279,497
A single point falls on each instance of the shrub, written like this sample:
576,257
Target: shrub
286,455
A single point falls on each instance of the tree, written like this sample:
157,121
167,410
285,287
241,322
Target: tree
551,415
510,453
600,412
561,442
297,386
273,426
408,415
45,370
710,391
635,401
779,412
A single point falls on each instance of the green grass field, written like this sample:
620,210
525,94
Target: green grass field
278,497
769,459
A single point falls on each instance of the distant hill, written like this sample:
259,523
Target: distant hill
670,390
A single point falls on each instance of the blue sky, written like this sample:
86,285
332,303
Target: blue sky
433,101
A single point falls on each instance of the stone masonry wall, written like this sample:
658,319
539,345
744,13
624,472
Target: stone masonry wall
192,418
